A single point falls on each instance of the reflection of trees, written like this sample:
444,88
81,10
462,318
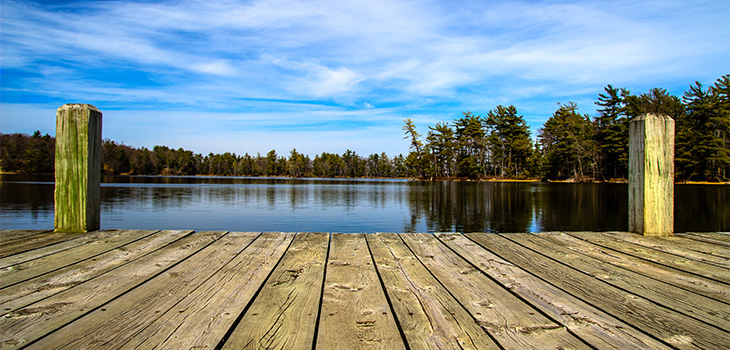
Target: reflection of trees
37,197
377,205
582,207
699,208
471,206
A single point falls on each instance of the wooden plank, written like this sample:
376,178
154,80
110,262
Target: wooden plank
30,291
687,281
623,243
680,246
355,313
80,239
669,326
718,253
24,244
31,269
511,321
12,235
34,321
718,238
284,315
116,322
594,326
693,305
429,316
202,319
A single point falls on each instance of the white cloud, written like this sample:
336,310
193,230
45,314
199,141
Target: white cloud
218,67
427,59
331,82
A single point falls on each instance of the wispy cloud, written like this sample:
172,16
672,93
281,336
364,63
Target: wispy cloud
366,63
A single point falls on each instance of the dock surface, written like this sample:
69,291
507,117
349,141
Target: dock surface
122,289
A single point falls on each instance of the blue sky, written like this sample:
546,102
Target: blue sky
326,76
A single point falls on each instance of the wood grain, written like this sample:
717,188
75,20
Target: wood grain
12,235
72,240
660,254
669,326
355,313
77,196
512,322
687,281
284,315
202,319
691,249
429,316
30,291
594,326
34,268
717,238
651,175
182,290
116,322
34,321
23,244
693,305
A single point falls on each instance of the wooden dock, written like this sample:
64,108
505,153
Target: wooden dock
228,290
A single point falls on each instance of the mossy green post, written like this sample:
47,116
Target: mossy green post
651,175
78,168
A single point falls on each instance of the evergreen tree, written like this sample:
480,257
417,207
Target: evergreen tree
114,159
612,132
142,162
568,148
471,141
272,163
353,165
509,140
415,159
399,166
299,164
722,90
327,165
656,101
701,150
39,154
440,144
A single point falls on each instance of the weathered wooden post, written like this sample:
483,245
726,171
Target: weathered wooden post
651,175
78,168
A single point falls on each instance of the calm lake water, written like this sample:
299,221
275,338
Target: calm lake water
343,205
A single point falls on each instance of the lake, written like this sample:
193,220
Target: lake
356,205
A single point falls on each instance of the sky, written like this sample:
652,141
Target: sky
328,76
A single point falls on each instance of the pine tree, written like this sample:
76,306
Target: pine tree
722,90
701,148
440,145
509,140
612,132
567,143
415,159
471,143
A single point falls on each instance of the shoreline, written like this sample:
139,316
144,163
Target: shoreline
495,180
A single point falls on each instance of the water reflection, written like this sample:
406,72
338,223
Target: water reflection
333,205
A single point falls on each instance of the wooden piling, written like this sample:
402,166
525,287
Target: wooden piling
78,168
651,175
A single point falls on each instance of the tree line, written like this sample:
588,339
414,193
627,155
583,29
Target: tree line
574,146
570,145
21,153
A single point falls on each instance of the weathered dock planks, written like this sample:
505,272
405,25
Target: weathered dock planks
228,290
355,313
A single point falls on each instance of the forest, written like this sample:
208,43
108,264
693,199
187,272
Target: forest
570,146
